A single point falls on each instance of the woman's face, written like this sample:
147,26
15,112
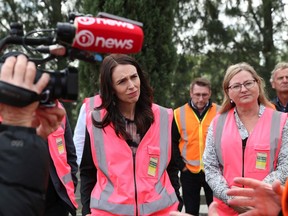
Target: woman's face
243,89
126,84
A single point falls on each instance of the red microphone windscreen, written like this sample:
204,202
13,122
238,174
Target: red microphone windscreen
107,35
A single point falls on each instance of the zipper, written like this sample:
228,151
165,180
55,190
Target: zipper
244,141
134,174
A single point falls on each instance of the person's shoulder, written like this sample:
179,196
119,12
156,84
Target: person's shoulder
183,105
274,100
157,107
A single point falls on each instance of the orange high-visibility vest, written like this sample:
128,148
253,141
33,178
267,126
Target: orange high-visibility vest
129,184
193,135
57,149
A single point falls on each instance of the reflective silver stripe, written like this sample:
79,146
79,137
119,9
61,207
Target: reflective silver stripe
164,139
193,162
91,103
103,203
167,200
129,209
185,138
117,209
67,178
184,131
217,108
218,135
274,137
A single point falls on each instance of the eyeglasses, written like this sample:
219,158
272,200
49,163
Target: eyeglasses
198,95
237,86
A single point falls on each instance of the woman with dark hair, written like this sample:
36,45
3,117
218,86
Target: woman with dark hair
127,150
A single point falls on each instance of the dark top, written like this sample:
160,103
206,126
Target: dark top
24,165
279,106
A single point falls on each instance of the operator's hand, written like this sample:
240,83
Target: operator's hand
20,72
48,120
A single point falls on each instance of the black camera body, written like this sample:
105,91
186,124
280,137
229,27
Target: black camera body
58,44
63,85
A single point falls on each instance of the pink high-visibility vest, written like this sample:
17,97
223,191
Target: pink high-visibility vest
130,184
57,149
260,154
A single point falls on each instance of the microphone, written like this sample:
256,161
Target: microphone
56,49
73,53
101,35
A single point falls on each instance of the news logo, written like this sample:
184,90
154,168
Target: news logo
86,20
85,38
107,35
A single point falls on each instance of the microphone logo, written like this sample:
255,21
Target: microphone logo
86,20
85,38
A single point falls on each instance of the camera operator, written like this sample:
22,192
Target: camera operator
24,157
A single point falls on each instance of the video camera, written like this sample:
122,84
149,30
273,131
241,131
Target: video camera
82,38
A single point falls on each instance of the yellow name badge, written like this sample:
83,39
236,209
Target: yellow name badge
60,146
261,161
152,166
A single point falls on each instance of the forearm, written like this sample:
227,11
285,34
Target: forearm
175,147
173,171
212,167
281,171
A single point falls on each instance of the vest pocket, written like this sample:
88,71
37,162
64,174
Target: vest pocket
258,159
151,162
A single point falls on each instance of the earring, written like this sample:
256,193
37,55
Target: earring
231,101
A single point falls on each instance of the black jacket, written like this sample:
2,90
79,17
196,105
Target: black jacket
24,165
279,106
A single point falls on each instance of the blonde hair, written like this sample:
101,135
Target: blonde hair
279,66
230,73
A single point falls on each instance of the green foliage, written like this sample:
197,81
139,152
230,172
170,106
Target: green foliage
209,35
158,56
34,15
249,32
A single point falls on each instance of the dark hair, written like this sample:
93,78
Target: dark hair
143,112
200,81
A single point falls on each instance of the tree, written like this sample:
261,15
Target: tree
35,15
228,32
158,56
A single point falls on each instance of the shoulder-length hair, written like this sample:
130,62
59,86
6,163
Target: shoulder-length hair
144,116
230,73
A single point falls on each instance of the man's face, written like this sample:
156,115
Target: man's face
280,81
200,96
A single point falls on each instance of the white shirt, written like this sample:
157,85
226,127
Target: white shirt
79,133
